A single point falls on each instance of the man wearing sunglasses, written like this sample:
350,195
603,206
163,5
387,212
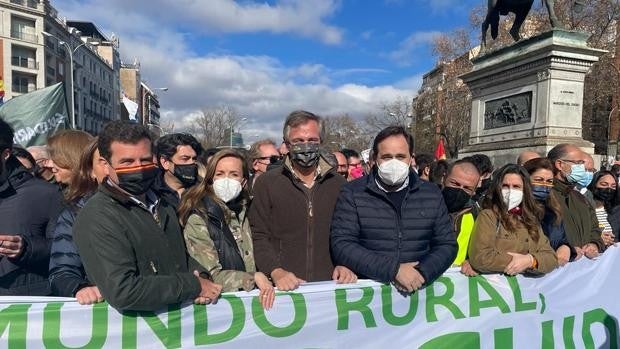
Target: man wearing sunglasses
263,154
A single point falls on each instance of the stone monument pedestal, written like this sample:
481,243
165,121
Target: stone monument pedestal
529,96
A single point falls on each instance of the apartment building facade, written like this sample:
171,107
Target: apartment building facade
34,51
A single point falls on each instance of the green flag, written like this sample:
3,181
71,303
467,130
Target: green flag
36,115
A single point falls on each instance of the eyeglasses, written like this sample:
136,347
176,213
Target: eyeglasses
576,162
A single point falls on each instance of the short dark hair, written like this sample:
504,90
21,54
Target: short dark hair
438,172
301,117
424,160
389,132
121,131
166,146
558,152
615,169
350,153
482,162
6,135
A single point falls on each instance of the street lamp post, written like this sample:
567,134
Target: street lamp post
71,52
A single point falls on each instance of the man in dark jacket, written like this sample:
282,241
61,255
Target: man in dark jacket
578,216
292,210
130,241
176,156
391,226
29,208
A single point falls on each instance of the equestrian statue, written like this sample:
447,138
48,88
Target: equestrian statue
521,8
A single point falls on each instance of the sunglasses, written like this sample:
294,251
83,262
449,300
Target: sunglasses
272,159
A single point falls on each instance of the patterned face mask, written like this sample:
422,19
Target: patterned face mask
305,154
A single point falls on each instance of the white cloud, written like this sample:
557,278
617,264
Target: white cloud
403,55
261,88
299,17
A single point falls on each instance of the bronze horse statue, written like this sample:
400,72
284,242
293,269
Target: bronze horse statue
521,8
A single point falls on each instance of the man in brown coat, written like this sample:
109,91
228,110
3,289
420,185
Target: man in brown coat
578,217
291,212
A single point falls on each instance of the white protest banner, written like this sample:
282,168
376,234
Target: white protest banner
574,307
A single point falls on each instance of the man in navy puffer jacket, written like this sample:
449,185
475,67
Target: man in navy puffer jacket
391,226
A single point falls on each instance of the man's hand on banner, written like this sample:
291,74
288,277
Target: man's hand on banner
344,275
89,295
466,269
285,280
590,250
409,277
210,291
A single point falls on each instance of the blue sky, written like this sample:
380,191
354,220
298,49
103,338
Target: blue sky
271,57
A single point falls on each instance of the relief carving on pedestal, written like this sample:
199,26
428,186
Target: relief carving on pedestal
508,111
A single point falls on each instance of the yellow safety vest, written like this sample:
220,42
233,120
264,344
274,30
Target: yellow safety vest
467,226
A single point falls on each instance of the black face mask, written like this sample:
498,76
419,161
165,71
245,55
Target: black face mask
456,198
605,195
137,180
305,155
186,174
482,190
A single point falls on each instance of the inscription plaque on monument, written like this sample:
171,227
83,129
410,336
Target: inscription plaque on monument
508,111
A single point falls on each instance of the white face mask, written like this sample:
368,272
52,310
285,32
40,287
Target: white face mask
226,188
512,197
394,172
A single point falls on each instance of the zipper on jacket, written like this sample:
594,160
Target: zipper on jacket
153,267
310,248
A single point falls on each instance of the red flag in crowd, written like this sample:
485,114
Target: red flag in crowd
440,152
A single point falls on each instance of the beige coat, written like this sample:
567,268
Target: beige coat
491,242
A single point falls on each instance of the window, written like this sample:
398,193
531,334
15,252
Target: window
23,83
23,57
23,29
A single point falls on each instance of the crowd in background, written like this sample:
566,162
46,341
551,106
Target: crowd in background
143,222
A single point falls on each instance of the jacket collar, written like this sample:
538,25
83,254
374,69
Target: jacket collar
15,175
563,187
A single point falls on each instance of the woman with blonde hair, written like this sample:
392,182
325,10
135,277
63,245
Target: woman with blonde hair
67,275
65,149
216,229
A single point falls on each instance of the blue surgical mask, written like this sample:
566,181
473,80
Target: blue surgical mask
577,174
586,180
541,192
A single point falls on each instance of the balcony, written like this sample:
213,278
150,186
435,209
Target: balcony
22,88
34,4
15,34
24,62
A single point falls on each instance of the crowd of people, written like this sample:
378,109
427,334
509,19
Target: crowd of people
143,223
